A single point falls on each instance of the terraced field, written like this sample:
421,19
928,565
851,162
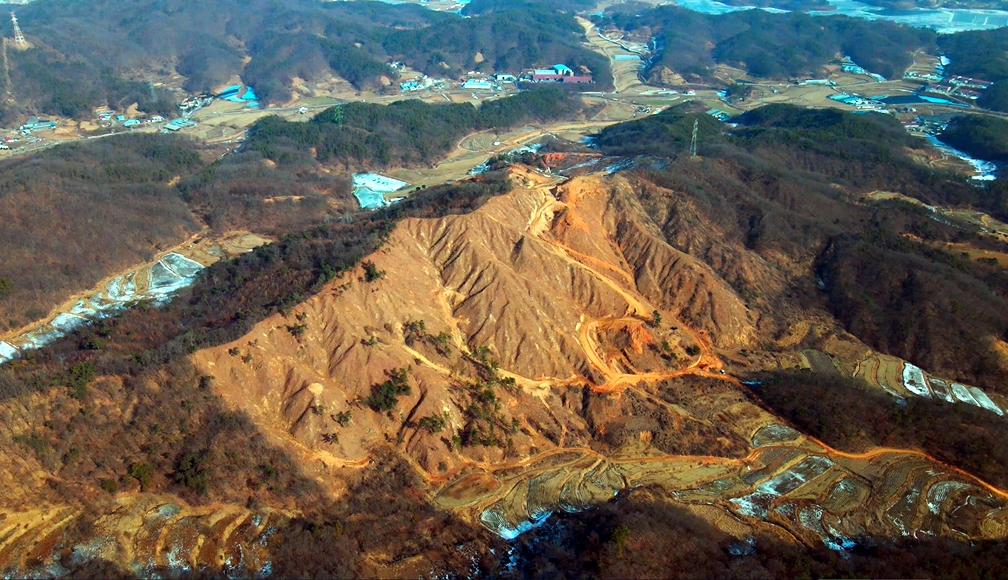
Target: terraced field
788,482
902,379
153,533
816,494
154,281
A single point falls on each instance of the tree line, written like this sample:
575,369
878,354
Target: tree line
404,133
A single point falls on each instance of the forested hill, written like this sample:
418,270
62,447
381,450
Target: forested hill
861,152
769,45
404,133
102,52
982,137
477,7
506,39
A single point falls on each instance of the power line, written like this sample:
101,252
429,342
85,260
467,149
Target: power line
19,38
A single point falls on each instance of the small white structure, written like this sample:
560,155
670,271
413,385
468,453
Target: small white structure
477,85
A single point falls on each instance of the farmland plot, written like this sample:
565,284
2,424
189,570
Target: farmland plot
984,401
913,380
901,379
941,389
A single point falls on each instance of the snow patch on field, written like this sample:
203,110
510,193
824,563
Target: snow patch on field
940,388
7,352
493,519
919,384
758,502
939,493
377,182
963,394
66,322
773,433
811,518
621,165
181,265
901,512
787,481
370,189
984,401
753,505
171,274
913,380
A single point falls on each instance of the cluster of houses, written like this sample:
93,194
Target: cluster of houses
422,82
718,114
191,104
558,73
965,87
178,124
108,118
236,94
932,77
36,124
492,83
32,124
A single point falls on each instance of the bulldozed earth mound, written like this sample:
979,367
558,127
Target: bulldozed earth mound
556,288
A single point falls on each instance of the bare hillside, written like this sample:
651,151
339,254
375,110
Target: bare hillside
479,374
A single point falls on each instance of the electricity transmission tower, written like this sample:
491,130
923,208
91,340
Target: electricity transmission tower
19,38
692,147
338,114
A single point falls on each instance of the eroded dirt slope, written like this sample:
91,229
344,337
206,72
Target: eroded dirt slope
540,277
557,287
